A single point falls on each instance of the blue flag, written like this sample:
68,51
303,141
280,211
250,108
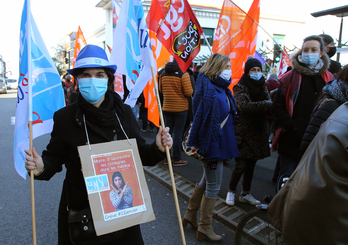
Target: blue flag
40,91
131,50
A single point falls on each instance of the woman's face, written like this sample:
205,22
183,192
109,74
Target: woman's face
228,66
118,182
312,46
255,69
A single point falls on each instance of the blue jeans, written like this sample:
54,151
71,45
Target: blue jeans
211,180
176,123
135,111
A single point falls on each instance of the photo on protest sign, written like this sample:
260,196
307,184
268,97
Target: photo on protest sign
116,185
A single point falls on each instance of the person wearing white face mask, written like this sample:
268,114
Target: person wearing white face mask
254,104
97,116
212,132
297,95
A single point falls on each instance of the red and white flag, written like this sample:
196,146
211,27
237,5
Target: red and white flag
283,64
177,28
236,35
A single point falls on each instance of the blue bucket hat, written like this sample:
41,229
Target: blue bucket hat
92,56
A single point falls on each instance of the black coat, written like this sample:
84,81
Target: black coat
321,112
68,133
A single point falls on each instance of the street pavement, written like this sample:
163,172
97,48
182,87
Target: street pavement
15,197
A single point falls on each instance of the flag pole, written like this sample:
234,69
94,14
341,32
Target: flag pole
206,40
169,159
262,29
30,103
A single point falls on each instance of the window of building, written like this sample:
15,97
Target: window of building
209,34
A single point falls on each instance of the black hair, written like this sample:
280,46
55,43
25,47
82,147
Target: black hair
117,174
108,72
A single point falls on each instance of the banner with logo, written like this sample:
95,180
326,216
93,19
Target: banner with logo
177,28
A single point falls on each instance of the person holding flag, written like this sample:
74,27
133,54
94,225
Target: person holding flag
98,116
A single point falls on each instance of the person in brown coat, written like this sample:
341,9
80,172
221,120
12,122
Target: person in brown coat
312,206
175,87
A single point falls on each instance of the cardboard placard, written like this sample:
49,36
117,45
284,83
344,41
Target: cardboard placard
98,166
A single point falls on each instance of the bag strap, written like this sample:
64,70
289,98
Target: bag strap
229,108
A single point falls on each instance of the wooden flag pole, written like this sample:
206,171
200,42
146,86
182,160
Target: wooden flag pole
30,104
32,183
169,159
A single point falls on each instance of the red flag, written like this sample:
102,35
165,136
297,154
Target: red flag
177,28
283,64
236,35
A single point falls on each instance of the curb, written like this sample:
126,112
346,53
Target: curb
229,216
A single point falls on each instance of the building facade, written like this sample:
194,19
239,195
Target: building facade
283,30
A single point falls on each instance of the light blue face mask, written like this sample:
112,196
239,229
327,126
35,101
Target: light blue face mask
310,58
256,75
92,89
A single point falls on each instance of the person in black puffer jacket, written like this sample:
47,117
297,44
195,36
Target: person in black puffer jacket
335,93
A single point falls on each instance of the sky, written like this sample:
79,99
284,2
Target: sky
56,19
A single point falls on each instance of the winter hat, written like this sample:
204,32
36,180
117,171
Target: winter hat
250,64
326,38
274,76
92,56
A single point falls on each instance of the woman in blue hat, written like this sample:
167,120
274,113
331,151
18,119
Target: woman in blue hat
97,116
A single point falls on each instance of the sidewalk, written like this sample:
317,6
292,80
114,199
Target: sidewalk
187,176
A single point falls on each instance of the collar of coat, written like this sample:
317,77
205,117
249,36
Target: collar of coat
304,70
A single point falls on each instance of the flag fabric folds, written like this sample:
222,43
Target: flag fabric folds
160,55
236,35
80,42
283,64
131,50
116,7
40,91
177,28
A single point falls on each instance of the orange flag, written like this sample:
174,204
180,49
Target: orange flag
80,42
236,35
160,55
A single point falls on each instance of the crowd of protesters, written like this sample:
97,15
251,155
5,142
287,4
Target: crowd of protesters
285,112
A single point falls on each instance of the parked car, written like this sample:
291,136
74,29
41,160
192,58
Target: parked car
12,83
3,86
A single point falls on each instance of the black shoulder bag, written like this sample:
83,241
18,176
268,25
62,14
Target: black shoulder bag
81,227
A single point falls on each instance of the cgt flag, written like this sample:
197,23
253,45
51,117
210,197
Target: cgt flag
236,35
131,50
283,64
177,28
40,91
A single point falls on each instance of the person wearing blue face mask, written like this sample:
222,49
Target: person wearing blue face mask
97,116
299,92
212,131
254,104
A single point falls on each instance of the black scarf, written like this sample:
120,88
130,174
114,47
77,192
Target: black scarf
256,88
103,116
